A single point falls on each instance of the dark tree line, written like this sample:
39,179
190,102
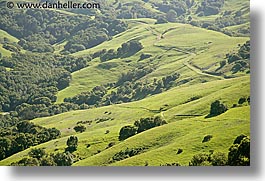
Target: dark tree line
128,88
31,84
241,59
22,136
38,156
39,29
209,7
126,50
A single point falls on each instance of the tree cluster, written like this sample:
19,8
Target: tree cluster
22,136
139,126
38,156
209,7
126,50
241,59
39,29
127,88
211,159
217,108
238,155
127,153
29,88
239,152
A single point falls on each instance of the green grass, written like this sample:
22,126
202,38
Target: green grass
4,34
163,142
229,5
87,78
4,51
174,48
180,43
59,46
124,114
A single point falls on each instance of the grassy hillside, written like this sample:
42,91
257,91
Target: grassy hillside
180,62
162,143
11,38
178,103
171,45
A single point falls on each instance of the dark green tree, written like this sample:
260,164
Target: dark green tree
171,15
27,162
127,131
217,108
239,152
219,159
161,20
242,100
37,153
5,145
201,159
80,128
72,143
47,161
63,159
147,123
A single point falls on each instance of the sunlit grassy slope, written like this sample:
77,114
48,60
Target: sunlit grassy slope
174,47
160,143
4,34
171,45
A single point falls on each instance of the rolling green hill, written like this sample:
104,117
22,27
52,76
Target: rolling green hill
177,134
166,59
162,143
170,44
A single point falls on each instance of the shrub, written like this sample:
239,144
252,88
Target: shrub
147,123
128,152
72,143
171,15
207,138
170,164
126,132
239,152
217,108
27,162
139,126
47,161
219,159
201,159
234,105
161,20
242,100
214,159
107,132
37,153
222,63
144,56
195,23
80,128
239,139
111,144
234,57
248,99
179,151
63,159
